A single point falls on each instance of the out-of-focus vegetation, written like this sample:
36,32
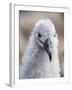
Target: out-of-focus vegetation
27,20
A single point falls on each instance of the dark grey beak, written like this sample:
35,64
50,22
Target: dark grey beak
47,48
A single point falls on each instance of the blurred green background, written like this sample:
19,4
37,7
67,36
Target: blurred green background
27,20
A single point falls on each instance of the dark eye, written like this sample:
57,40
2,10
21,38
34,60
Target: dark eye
39,35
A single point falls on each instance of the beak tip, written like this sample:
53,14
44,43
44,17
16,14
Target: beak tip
46,46
50,60
50,57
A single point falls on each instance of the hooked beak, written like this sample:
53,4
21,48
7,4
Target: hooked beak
47,47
